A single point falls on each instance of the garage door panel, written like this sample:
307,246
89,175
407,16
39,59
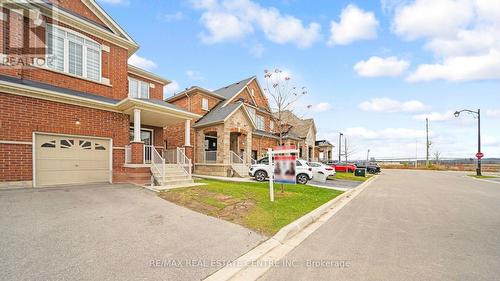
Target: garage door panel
70,160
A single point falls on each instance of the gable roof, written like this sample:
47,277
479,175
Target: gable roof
148,75
299,126
193,88
232,90
220,113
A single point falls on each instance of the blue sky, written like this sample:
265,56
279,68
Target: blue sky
374,70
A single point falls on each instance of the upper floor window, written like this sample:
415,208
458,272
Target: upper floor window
204,104
259,120
271,126
73,53
138,89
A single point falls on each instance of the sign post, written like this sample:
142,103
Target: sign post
281,166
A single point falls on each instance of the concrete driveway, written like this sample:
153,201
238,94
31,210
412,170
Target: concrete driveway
407,225
111,232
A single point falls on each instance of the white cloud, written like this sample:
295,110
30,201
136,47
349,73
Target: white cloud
435,116
320,107
493,113
390,105
463,68
141,62
378,67
428,18
171,89
177,16
463,35
355,24
233,20
385,134
490,141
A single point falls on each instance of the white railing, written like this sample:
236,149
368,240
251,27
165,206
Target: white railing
157,166
183,161
235,158
148,153
210,156
128,154
170,156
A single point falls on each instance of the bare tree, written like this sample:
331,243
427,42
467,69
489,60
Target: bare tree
283,96
437,156
349,149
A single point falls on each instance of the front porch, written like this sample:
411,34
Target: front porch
146,148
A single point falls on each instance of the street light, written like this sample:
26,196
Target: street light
479,154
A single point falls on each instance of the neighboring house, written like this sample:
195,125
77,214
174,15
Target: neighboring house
84,115
324,151
237,126
305,131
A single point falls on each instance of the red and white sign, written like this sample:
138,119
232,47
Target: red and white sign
479,155
284,169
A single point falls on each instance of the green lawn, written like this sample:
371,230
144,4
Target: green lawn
483,177
248,203
349,176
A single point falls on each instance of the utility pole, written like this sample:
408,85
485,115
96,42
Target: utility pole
345,148
340,146
368,156
428,144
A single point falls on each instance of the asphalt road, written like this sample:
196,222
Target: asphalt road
407,225
111,232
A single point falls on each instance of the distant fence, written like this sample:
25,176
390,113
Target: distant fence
464,164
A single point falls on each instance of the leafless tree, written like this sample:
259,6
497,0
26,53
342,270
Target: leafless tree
283,96
437,156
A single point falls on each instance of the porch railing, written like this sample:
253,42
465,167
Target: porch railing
170,156
183,161
210,156
157,166
148,153
235,158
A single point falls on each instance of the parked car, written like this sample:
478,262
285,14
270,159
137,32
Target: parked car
261,170
371,168
341,166
321,168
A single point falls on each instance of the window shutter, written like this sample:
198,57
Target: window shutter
56,51
93,64
75,59
144,90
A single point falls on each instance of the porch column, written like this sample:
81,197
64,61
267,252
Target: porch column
187,133
137,125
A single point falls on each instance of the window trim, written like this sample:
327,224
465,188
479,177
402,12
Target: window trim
139,84
203,100
66,40
260,117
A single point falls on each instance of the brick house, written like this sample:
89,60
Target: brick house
237,126
77,112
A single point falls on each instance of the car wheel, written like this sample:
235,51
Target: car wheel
260,176
302,178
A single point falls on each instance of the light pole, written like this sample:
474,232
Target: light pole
340,146
478,155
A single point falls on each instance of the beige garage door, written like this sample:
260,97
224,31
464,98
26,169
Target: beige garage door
71,160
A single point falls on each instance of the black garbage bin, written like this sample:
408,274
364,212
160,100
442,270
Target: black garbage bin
360,172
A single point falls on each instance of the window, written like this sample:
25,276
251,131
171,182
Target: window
251,111
259,120
49,144
204,104
138,89
271,126
73,53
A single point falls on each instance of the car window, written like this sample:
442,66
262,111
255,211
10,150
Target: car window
310,164
264,161
297,163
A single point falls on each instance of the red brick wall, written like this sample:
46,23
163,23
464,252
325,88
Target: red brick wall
192,102
261,144
114,67
21,116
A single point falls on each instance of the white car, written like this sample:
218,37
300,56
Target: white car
321,169
261,171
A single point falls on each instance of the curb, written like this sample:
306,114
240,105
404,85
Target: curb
247,267
484,180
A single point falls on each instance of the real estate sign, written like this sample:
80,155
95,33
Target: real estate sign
284,169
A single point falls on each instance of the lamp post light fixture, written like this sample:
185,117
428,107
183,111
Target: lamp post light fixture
479,154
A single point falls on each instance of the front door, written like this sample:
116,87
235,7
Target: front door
147,139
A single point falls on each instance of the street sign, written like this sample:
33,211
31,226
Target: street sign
479,155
